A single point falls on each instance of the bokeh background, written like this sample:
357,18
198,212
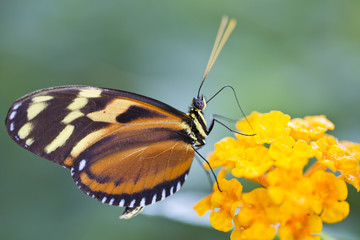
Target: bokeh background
300,57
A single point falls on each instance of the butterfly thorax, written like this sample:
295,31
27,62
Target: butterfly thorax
196,127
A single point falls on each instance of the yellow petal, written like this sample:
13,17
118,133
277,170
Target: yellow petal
271,126
353,148
310,128
203,206
314,223
337,212
277,194
225,154
256,161
259,230
221,220
244,125
236,234
290,154
353,178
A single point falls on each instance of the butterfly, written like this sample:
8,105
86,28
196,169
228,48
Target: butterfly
122,148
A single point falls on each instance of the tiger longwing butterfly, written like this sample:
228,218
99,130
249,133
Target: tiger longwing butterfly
122,148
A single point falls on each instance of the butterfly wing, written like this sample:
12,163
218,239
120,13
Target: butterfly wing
124,138
50,122
134,166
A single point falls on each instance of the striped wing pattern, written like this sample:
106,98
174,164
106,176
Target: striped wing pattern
123,149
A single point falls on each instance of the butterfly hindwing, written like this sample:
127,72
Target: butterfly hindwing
123,148
134,167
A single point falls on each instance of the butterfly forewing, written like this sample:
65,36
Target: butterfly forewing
50,122
123,148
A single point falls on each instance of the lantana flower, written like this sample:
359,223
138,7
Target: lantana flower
302,172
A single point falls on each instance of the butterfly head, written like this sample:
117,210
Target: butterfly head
199,103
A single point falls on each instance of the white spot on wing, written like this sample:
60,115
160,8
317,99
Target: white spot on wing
12,115
178,186
12,126
163,194
104,200
132,203
111,201
72,171
82,164
154,199
121,203
16,106
142,202
172,190
185,177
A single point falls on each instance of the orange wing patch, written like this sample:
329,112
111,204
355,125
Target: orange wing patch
135,164
138,176
138,169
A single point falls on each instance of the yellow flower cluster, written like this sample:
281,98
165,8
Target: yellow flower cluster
302,172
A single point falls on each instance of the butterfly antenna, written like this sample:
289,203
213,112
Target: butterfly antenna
237,101
225,29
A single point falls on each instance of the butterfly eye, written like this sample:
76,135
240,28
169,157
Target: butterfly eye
199,103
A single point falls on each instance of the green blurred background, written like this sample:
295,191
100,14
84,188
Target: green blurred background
300,57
